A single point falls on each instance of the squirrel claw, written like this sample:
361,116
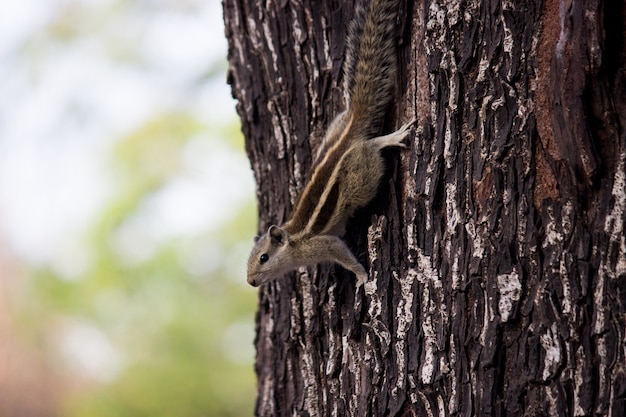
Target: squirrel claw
361,278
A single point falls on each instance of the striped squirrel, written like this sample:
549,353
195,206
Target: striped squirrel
348,167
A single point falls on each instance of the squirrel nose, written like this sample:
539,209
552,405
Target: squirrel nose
252,282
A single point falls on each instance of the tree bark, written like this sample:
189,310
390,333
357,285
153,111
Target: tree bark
496,250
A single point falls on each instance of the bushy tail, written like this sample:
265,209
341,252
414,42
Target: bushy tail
370,65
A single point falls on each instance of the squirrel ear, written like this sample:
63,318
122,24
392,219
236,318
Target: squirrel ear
256,239
277,234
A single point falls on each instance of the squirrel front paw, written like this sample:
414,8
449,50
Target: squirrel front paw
395,139
361,277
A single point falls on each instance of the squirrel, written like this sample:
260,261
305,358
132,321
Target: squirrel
348,167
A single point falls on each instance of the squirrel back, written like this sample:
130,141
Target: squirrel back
368,79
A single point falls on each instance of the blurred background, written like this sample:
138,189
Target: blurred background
126,213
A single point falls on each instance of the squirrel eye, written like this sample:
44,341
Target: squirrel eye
264,258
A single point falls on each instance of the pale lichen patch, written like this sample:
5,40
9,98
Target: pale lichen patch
454,395
267,36
429,345
509,288
309,374
278,126
478,244
456,270
598,299
374,237
553,356
332,364
554,232
488,317
433,312
566,304
405,320
614,222
352,363
453,215
552,395
426,404
580,385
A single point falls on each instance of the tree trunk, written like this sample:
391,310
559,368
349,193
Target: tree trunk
496,250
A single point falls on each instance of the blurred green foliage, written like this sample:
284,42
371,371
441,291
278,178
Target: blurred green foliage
184,340
173,316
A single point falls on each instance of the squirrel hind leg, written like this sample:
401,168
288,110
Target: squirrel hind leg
395,138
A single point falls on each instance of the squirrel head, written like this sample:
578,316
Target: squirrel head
270,256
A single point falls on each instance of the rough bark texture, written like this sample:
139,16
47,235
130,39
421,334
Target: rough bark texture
496,251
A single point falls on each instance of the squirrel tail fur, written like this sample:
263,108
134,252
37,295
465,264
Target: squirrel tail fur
370,63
